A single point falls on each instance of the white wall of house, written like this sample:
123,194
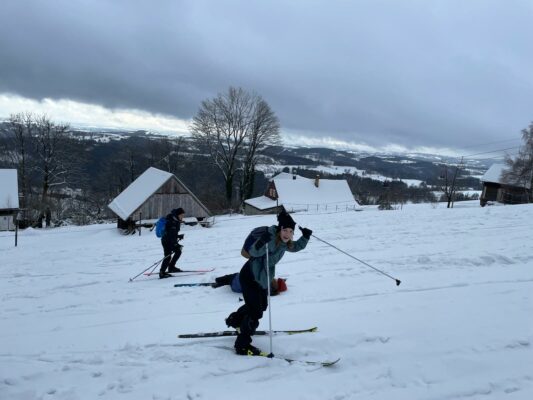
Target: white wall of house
7,223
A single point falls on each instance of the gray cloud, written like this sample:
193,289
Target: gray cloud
441,73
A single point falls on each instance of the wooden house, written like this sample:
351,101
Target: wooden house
9,199
296,193
153,195
495,188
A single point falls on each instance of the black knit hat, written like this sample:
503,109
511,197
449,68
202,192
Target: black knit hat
178,211
285,221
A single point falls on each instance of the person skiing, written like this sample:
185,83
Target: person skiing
170,242
276,287
253,278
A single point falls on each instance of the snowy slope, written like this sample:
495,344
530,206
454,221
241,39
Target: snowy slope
459,326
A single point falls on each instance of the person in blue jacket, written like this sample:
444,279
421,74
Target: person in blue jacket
170,243
254,281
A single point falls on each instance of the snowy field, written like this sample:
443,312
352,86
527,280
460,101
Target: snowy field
459,326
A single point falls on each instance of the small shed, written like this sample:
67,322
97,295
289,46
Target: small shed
495,188
153,195
9,199
296,193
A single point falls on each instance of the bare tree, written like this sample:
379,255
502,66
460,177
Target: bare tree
19,132
264,132
232,126
520,168
449,184
50,152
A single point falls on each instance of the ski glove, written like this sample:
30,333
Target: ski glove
306,233
264,239
180,237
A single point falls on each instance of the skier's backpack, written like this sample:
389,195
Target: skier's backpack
160,227
251,239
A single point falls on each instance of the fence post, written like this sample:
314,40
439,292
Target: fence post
17,229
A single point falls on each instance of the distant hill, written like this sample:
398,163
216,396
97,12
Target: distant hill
414,166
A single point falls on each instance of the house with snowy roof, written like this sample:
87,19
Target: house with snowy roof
296,193
153,195
497,188
9,199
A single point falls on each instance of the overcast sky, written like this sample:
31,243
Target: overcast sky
439,74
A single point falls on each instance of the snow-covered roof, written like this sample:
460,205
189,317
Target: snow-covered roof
138,192
9,193
302,194
262,202
494,175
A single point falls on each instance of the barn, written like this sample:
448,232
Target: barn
296,193
9,199
495,188
153,195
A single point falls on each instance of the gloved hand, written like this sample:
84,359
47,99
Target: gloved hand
180,237
264,239
177,247
306,233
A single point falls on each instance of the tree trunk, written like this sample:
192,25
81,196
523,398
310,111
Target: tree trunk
229,190
46,185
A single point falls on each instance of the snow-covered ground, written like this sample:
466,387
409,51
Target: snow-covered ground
459,326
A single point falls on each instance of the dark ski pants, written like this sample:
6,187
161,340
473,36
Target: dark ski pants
255,303
169,261
225,280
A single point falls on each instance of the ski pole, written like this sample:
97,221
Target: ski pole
361,261
154,265
268,303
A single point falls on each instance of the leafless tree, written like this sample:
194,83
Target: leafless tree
231,127
520,167
18,131
449,182
264,132
52,161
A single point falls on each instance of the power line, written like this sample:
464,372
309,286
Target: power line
493,151
498,141
500,157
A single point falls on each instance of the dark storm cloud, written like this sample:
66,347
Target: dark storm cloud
440,73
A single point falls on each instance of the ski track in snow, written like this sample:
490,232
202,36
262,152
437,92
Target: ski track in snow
458,327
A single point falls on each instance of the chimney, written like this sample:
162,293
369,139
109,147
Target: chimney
317,180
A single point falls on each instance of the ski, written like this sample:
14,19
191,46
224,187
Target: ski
292,360
235,333
194,284
326,363
183,272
